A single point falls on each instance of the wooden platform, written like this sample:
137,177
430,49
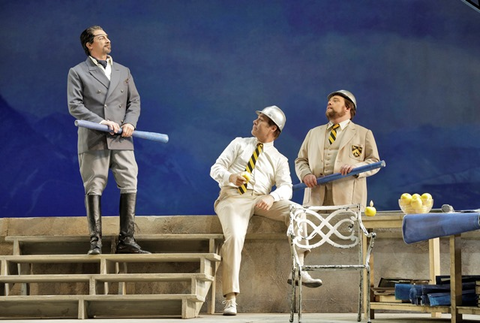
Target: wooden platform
176,278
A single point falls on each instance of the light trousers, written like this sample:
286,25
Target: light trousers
234,211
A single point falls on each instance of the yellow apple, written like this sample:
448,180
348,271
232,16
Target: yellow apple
370,210
247,176
426,197
416,195
406,198
416,203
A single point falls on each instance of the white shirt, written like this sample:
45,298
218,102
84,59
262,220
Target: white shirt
342,124
271,168
108,69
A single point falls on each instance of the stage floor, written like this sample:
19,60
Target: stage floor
274,318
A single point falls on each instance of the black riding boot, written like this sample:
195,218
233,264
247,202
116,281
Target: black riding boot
94,219
126,241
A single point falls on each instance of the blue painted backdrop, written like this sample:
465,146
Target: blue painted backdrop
203,67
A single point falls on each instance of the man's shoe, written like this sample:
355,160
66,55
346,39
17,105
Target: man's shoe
230,308
130,247
95,250
307,280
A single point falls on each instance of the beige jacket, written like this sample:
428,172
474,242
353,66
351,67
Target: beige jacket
357,147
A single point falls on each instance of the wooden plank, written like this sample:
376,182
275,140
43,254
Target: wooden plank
472,310
120,258
160,257
151,277
383,221
141,297
455,278
409,307
138,237
157,306
88,306
434,263
80,244
59,307
52,278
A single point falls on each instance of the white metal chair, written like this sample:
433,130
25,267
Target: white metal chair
339,226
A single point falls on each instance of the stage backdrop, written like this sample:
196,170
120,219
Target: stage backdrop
203,67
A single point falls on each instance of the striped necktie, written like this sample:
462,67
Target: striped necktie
333,133
251,165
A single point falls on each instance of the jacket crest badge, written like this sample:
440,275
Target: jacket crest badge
357,150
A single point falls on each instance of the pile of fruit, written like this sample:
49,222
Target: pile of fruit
415,203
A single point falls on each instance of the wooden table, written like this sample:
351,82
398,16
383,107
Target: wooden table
394,220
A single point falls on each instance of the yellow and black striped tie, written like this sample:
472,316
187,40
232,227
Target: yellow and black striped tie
333,133
251,165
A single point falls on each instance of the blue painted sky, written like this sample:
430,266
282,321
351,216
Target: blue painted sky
202,69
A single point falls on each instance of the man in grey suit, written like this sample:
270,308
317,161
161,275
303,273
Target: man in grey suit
102,91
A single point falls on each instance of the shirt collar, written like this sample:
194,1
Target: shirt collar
342,124
109,60
266,144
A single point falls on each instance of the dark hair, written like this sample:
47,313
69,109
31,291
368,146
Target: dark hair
87,37
271,123
349,104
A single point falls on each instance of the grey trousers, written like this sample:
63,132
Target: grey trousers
94,167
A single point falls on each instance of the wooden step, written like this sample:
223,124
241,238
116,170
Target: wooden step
75,278
151,277
111,290
94,279
104,260
105,278
96,306
26,245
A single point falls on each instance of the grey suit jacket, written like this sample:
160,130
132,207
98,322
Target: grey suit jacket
92,97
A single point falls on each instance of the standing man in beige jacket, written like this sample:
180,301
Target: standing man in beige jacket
337,147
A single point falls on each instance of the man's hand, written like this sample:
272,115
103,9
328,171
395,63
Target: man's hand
127,130
265,202
112,125
345,169
310,180
237,179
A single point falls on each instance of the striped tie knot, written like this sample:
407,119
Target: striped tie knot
333,133
251,165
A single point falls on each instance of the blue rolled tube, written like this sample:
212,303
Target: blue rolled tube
137,134
334,177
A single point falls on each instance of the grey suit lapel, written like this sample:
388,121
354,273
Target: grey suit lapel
95,71
114,79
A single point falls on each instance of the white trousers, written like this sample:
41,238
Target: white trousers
234,211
